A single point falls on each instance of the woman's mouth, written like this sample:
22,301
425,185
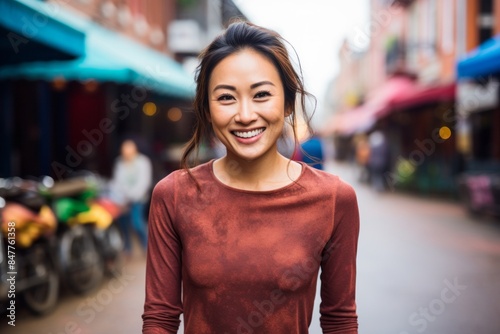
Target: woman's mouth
248,134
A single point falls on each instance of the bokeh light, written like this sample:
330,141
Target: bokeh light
149,109
90,86
444,132
174,114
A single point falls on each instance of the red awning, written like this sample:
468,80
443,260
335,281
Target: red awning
398,93
424,95
377,106
348,122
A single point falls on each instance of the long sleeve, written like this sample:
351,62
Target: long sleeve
338,267
163,304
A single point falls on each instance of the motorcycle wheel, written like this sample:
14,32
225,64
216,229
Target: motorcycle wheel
80,260
112,245
41,298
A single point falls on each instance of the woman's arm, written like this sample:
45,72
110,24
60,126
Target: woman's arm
338,267
163,304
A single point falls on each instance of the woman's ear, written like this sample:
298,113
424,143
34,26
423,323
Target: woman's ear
288,111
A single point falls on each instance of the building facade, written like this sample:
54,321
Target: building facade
410,88
146,22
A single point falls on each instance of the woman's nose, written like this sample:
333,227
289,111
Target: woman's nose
246,114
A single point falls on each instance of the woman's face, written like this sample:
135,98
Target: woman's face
247,104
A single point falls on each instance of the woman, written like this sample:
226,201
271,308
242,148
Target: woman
244,236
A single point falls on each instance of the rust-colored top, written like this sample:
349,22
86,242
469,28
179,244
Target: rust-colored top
248,261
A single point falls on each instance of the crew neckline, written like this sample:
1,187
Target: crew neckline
271,191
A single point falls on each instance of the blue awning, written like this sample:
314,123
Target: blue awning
114,58
482,61
36,31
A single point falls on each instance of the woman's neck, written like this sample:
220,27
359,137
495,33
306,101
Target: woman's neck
269,172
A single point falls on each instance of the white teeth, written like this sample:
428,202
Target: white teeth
248,134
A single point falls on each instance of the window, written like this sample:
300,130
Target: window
447,19
485,20
430,29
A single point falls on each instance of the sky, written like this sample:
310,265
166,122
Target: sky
316,29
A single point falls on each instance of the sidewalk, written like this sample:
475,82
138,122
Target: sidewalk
115,307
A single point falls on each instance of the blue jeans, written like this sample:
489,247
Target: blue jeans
135,219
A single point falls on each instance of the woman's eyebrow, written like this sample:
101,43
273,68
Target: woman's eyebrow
224,87
261,83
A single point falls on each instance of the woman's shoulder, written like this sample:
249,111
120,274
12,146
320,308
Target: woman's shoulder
329,182
320,177
181,178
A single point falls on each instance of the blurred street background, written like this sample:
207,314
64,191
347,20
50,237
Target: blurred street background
408,112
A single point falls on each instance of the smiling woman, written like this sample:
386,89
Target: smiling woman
247,108
261,57
236,244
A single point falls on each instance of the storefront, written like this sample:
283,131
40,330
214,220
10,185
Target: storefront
347,126
71,114
418,123
34,32
478,105
423,142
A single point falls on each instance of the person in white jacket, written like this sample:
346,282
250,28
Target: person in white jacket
132,179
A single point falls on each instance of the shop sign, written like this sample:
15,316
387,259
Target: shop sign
473,96
185,37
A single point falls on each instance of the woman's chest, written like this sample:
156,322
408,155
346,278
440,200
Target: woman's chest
274,248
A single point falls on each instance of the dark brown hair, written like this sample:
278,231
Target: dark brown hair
238,36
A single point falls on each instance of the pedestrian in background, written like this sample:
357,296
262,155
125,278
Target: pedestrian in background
362,150
236,243
131,183
378,161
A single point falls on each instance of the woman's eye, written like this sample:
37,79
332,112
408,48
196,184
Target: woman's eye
225,97
262,94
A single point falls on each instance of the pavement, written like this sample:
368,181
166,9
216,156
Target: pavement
424,266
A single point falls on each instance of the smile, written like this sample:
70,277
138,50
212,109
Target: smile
248,134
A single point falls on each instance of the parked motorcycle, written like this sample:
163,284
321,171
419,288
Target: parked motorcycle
90,243
28,265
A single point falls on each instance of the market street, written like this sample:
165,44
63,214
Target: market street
424,266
